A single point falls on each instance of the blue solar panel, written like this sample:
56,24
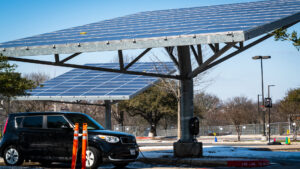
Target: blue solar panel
248,19
79,84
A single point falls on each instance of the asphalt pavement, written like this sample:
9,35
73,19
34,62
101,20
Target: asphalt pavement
169,162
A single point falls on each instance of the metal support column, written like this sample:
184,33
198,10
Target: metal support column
107,114
186,92
186,146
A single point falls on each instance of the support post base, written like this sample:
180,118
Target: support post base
193,149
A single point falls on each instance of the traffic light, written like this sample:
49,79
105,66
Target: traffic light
268,102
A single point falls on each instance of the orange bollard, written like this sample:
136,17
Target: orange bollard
84,146
75,146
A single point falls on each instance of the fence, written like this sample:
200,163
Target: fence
279,128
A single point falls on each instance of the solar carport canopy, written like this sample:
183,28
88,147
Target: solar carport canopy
186,26
83,84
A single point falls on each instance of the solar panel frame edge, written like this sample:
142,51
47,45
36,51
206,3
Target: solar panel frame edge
254,32
142,43
71,98
153,34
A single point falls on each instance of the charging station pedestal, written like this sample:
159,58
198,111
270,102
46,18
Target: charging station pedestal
193,149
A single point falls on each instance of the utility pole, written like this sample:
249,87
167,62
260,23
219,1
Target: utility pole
269,105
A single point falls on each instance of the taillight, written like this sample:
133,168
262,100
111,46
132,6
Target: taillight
5,126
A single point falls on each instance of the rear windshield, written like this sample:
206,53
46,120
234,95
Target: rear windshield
81,118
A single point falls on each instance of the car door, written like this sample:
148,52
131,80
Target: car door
60,136
32,138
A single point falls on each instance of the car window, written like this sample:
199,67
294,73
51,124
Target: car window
18,121
57,122
33,122
80,118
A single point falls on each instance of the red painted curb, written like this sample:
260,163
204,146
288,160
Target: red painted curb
248,163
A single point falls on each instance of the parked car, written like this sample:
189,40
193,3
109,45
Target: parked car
47,137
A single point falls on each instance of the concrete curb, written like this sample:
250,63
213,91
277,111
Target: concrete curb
207,162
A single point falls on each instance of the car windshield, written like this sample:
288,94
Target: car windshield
81,118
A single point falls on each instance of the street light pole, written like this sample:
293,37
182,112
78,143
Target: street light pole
258,108
258,103
269,113
262,88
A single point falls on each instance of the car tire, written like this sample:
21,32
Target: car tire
13,156
120,165
93,158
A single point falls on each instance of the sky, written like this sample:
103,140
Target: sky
238,76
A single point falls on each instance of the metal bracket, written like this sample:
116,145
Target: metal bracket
137,58
211,59
56,56
170,53
198,55
121,60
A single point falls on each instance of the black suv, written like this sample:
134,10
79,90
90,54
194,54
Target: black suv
47,137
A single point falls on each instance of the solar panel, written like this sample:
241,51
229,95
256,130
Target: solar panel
82,84
173,27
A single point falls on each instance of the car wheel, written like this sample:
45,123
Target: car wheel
120,165
93,158
13,156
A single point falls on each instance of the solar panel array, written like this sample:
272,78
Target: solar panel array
173,22
79,84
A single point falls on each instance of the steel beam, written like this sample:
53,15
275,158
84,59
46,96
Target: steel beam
212,47
77,102
211,59
173,58
70,57
137,58
242,49
200,57
217,47
186,93
107,114
121,60
92,68
56,56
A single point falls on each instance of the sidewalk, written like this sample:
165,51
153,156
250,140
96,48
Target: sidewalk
254,153
251,141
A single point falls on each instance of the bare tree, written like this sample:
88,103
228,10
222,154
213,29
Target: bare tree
38,78
118,115
97,112
237,110
206,106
